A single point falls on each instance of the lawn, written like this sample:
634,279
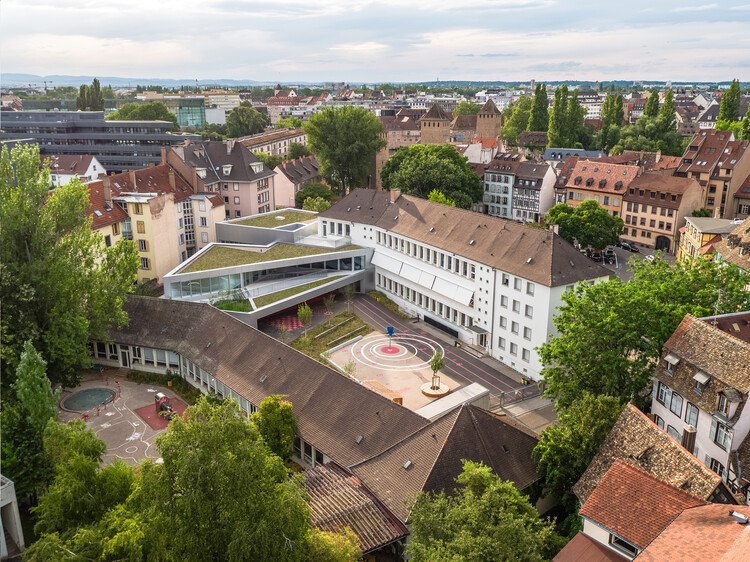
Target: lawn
333,329
279,295
274,220
222,256
235,305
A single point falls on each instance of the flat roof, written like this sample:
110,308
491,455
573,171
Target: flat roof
276,218
221,256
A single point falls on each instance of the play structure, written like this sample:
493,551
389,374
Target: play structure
163,406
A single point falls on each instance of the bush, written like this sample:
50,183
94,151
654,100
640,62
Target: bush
388,303
235,305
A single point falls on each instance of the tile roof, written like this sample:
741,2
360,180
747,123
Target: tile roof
704,533
339,500
532,171
505,162
436,112
658,183
300,170
704,151
532,138
396,123
331,410
532,253
464,123
214,155
69,164
636,439
564,171
101,213
711,349
735,248
591,175
489,107
435,455
744,190
736,324
265,137
634,505
154,179
583,548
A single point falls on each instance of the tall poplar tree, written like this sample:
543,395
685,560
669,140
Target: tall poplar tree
667,110
555,133
729,110
651,108
539,118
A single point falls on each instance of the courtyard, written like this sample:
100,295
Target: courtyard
129,423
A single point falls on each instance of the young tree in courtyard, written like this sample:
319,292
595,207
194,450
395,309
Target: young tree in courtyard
304,315
565,449
486,519
437,363
59,285
348,291
275,422
345,141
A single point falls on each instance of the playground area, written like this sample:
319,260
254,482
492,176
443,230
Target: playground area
123,413
397,367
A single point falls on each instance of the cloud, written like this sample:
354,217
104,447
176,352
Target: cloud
700,8
548,66
489,55
365,47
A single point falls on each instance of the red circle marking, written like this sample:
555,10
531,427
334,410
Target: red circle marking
389,349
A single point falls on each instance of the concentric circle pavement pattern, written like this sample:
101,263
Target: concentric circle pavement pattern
400,353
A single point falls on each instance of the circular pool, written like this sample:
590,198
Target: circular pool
88,399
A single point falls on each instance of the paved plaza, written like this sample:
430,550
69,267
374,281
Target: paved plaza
401,364
128,437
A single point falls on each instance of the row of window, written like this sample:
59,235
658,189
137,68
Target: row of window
336,228
605,199
423,301
513,349
719,433
435,257
634,232
632,219
663,211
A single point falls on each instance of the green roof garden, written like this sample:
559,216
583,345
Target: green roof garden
279,218
217,257
271,298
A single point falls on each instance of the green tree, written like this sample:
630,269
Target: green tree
275,422
667,110
348,292
516,119
90,98
651,109
324,546
539,117
305,315
702,213
588,223
213,131
486,519
420,169
270,160
59,285
612,118
556,134
317,204
745,131
33,389
313,190
289,123
345,140
297,150
651,135
565,449
466,107
729,110
150,111
243,120
439,197
610,334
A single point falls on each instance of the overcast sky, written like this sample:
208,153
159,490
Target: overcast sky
361,40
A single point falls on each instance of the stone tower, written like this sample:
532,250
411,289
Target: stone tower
489,121
435,126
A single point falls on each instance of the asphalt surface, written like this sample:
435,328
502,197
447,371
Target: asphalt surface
459,364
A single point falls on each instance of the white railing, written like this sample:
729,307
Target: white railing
281,285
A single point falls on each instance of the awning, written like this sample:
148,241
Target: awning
477,330
386,262
452,291
701,378
671,359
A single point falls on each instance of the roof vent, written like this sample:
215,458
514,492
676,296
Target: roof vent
739,517
571,263
263,379
529,260
407,465
432,229
471,242
359,439
348,209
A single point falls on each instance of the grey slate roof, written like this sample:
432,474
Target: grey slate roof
532,253
212,155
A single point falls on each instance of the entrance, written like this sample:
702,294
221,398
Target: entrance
662,243
125,358
482,340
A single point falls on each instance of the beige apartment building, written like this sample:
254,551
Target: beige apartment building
400,130
606,184
720,164
654,209
275,142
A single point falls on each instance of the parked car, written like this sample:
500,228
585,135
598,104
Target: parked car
609,255
629,247
596,256
650,257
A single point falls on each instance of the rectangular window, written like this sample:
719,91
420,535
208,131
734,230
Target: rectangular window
308,453
140,227
722,405
142,245
691,414
623,545
720,434
501,343
525,355
675,404
504,301
717,467
658,421
513,349
673,433
529,311
506,280
516,306
529,288
204,237
503,322
517,284
204,221
663,394
138,208
145,263
514,327
527,333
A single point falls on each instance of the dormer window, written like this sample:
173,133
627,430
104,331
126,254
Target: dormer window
256,167
578,180
701,380
201,173
670,362
226,169
722,405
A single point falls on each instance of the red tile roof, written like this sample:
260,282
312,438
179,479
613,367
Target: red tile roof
154,179
101,213
702,533
592,175
635,505
585,549
69,164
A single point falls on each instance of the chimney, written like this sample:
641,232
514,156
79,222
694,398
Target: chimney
171,177
395,194
131,173
688,438
163,154
230,146
107,190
